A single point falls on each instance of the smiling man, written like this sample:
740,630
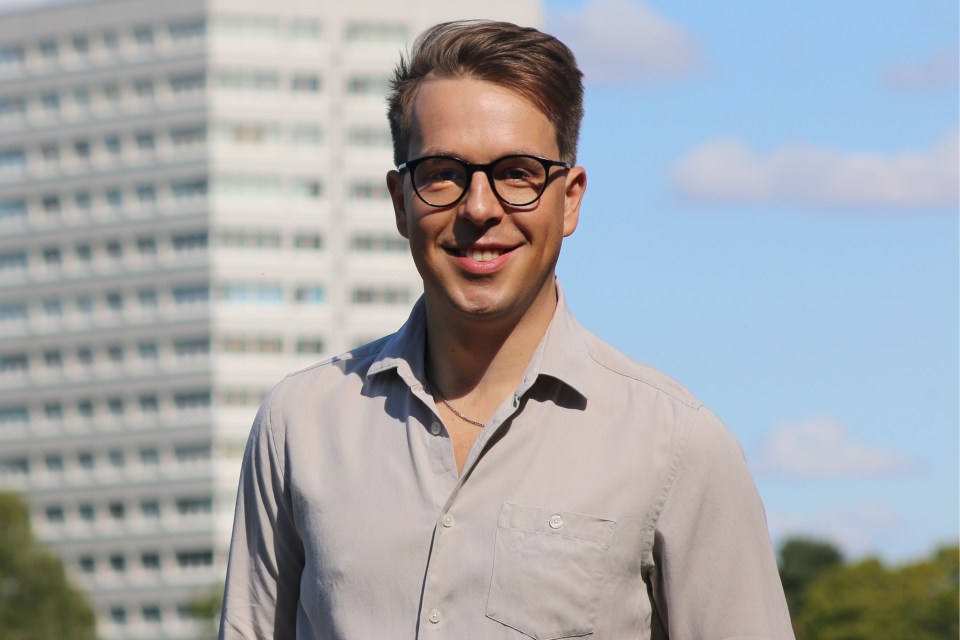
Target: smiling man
493,470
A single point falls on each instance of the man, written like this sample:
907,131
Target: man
492,470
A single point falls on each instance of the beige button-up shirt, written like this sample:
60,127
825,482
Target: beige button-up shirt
601,498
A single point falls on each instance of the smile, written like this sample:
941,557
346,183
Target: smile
478,255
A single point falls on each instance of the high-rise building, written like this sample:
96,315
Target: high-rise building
192,204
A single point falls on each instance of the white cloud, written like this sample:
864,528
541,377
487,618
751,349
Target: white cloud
822,449
941,70
625,42
728,170
859,529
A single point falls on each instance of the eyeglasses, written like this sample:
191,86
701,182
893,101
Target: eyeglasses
517,180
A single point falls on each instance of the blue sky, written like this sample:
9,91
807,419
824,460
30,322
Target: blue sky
771,217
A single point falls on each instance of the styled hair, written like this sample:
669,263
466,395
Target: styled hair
533,64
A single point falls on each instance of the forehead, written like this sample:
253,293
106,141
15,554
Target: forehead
477,120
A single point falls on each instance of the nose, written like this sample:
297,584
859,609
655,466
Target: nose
480,204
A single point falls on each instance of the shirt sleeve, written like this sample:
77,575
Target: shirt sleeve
262,589
716,576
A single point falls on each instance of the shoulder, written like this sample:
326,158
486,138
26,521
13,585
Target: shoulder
612,364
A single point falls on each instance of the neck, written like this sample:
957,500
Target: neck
482,362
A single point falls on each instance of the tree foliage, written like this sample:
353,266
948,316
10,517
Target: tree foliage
869,601
36,600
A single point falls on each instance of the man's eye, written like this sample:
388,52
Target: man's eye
443,175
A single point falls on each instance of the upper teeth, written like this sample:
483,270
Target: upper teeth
482,255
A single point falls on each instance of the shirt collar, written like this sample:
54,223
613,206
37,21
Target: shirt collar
561,354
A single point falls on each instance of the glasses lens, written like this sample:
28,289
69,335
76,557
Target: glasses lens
440,181
519,180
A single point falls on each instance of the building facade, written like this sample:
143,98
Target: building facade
192,204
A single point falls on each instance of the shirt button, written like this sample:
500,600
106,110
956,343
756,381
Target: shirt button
435,428
556,522
434,616
447,520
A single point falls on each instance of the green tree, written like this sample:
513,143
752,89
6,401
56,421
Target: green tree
36,600
205,609
802,561
868,601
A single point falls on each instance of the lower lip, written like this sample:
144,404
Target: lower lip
476,267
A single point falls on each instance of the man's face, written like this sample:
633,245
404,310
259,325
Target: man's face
479,257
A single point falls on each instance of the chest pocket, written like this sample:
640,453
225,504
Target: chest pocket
548,570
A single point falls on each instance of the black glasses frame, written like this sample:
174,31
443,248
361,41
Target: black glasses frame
487,169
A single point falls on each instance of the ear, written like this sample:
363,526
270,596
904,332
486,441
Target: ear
575,185
397,196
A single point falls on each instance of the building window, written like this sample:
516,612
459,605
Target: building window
13,415
368,191
87,564
49,50
149,456
306,135
151,614
13,311
305,83
115,407
190,241
115,353
53,359
14,467
12,106
81,201
50,154
85,304
192,559
369,137
115,456
51,256
81,45
194,506
146,194
150,561
149,405
306,240
118,615
368,85
81,148
150,509
143,89
192,453
12,55
12,159
376,32
145,142
50,204
146,246
87,512
13,210
148,351
13,363
191,400
381,295
249,238
53,462
118,563
117,510
256,293
148,300
53,411
85,409
143,36
114,198
189,30
111,93
191,294
50,102
191,346
54,514
111,41
85,460
115,301
81,96
112,145
188,136
378,242
309,294
186,84
189,188
52,308
308,345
